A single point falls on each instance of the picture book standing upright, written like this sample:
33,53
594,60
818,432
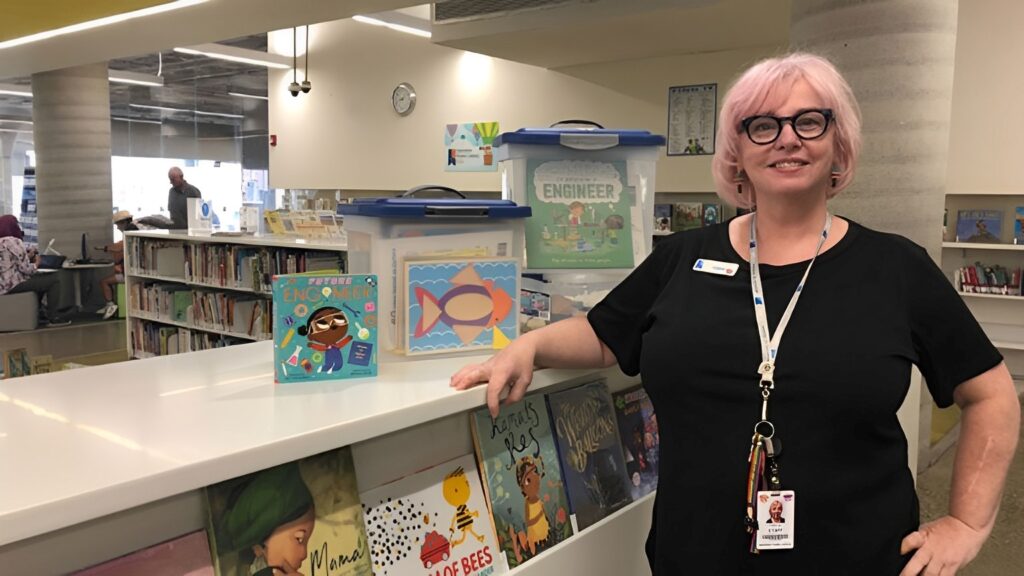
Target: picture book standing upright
590,451
303,516
325,326
521,478
638,430
432,522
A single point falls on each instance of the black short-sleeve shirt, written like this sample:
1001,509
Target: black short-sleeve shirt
874,305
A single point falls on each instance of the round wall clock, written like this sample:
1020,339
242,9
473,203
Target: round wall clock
403,99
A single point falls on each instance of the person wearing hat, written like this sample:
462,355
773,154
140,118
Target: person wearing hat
267,522
123,221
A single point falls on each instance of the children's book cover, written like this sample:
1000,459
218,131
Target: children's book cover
582,215
461,304
431,523
325,326
302,517
522,478
188,555
590,451
984,226
1018,225
711,214
638,430
687,216
662,218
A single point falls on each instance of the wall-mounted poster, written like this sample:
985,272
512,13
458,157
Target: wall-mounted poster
692,114
469,147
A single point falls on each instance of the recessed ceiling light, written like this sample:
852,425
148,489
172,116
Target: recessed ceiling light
186,111
15,121
136,120
255,96
396,27
137,78
235,54
16,90
178,4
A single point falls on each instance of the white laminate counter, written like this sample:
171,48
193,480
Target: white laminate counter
81,444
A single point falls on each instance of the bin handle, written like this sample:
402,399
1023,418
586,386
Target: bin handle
584,122
412,192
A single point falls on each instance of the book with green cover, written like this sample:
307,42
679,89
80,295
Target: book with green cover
522,478
300,517
582,215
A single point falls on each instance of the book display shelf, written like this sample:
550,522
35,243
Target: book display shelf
187,292
101,479
999,309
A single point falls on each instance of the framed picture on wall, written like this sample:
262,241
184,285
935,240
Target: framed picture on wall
692,117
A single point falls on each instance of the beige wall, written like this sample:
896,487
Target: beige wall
986,148
344,134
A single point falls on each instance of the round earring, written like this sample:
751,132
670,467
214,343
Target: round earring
836,173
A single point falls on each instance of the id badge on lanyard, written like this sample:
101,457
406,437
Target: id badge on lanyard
770,511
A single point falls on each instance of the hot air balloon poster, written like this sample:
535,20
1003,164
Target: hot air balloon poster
469,147
455,305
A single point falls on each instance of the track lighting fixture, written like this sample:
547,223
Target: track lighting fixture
294,86
306,86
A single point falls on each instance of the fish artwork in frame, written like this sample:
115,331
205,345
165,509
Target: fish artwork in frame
455,305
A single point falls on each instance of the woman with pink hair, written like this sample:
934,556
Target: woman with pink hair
791,327
18,270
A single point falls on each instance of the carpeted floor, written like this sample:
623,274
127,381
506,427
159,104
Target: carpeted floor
1003,554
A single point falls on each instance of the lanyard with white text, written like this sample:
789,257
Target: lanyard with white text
763,448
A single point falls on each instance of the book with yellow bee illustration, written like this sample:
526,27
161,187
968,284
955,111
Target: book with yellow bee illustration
432,522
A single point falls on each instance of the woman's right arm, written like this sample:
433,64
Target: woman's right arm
570,343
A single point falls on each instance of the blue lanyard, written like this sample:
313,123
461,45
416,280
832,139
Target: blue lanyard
770,342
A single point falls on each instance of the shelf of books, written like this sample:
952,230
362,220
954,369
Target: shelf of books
983,255
188,292
399,470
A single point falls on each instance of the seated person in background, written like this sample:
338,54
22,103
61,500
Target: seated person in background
123,221
18,270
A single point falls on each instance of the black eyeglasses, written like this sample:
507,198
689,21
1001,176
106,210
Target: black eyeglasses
807,125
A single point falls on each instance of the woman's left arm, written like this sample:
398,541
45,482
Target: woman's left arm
989,428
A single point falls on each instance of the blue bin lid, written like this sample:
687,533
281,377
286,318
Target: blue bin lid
587,138
433,208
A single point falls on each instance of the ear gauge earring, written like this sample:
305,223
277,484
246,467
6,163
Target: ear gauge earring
738,179
836,173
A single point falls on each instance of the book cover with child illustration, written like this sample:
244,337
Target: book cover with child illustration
522,478
432,522
638,432
325,326
582,215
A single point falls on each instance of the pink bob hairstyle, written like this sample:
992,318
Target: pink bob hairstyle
763,89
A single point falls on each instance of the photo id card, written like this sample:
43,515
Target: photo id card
776,515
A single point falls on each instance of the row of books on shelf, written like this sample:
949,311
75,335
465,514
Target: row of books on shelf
983,279
544,469
986,226
681,216
231,312
253,267
153,339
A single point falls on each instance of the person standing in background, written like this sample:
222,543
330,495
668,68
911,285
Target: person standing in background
176,198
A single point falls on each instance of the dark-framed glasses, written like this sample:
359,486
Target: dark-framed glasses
807,125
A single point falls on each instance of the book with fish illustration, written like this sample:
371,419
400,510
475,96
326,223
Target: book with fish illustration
455,305
638,431
590,451
521,478
300,517
430,521
325,326
187,555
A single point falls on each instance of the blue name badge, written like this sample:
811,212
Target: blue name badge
715,267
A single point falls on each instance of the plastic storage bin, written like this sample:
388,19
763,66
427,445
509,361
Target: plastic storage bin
592,196
385,232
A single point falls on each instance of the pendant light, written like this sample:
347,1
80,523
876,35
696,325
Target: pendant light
306,86
294,86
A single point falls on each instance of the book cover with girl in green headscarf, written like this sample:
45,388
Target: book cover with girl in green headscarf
300,518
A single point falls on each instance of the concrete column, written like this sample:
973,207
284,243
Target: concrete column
71,111
7,140
898,56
